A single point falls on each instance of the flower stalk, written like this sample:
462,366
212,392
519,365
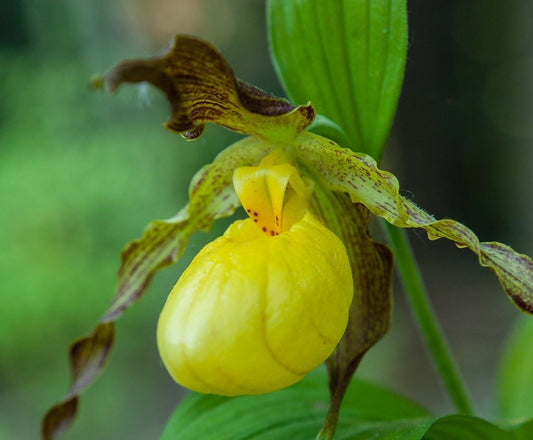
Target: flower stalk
425,318
329,427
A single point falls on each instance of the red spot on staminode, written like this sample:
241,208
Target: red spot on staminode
264,229
255,214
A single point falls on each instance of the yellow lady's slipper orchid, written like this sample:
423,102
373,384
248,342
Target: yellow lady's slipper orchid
268,301
264,304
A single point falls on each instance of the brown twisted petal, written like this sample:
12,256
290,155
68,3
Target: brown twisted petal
357,174
211,197
372,267
201,87
87,356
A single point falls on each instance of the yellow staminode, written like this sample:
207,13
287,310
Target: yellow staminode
264,304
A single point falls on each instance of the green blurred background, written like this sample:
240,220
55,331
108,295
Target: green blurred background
82,172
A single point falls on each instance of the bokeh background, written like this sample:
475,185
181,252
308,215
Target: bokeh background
82,172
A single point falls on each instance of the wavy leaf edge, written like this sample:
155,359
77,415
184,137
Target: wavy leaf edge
358,175
162,244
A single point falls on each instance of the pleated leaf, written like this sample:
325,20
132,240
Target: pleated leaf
460,427
369,412
524,431
515,397
345,56
296,412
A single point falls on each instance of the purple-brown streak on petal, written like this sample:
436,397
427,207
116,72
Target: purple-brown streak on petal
161,245
357,174
201,87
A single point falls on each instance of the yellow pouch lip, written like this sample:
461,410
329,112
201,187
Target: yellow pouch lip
290,293
265,303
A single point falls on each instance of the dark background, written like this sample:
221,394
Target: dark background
82,172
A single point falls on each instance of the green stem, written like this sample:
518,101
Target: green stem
330,423
418,298
337,394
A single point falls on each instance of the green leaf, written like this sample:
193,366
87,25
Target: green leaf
405,429
327,128
345,56
459,427
294,413
524,431
368,413
515,399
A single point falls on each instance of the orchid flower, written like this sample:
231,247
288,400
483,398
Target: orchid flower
300,281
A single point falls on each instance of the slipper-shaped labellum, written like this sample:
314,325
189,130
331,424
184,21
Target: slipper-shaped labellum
267,302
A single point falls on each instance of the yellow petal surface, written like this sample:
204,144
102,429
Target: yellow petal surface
255,313
273,194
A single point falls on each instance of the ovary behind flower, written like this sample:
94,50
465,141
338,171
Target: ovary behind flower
254,313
